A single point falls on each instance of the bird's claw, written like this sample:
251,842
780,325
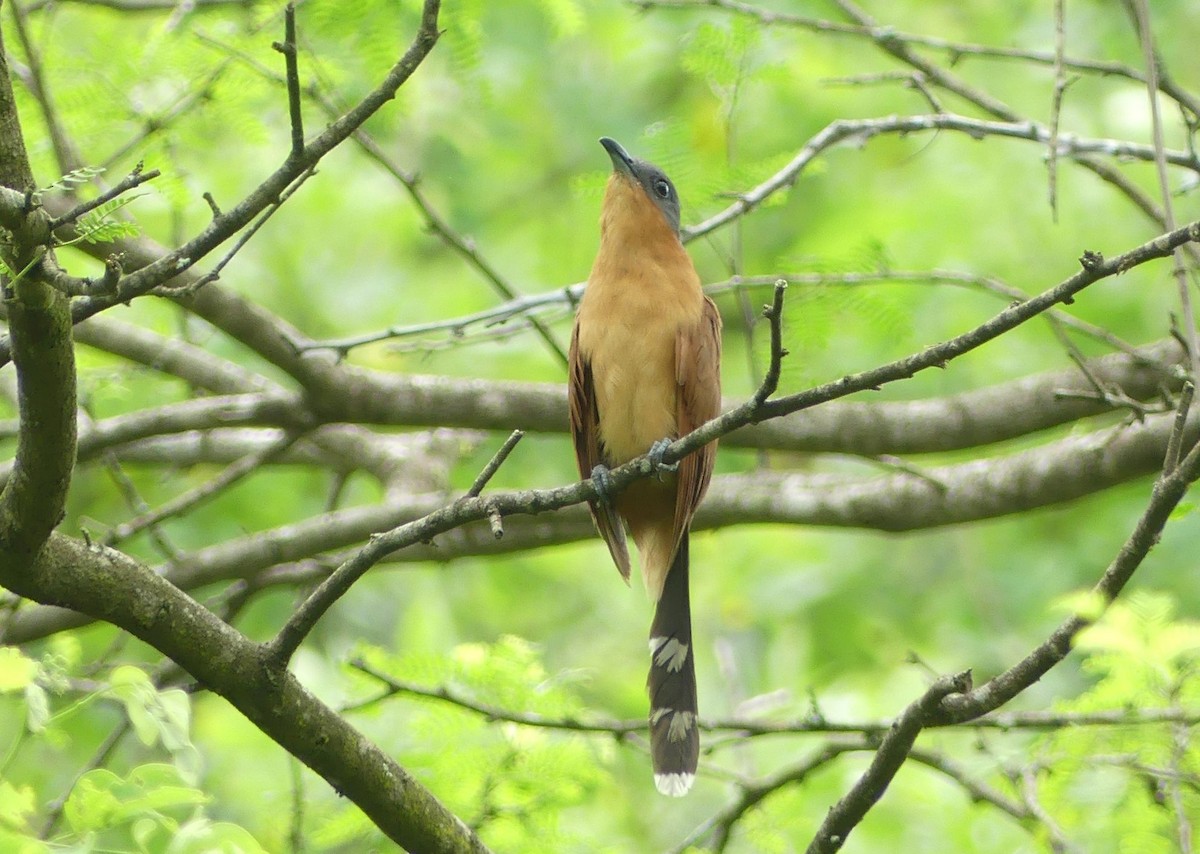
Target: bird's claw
603,484
655,455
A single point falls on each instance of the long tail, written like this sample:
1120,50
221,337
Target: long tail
674,741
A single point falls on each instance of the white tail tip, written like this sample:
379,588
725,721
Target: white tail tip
674,785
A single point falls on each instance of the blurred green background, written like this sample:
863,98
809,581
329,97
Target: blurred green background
501,124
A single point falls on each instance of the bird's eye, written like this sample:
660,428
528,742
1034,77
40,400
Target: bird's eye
663,188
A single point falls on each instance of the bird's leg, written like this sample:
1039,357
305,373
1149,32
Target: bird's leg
603,484
655,455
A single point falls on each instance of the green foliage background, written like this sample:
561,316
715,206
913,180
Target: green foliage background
501,125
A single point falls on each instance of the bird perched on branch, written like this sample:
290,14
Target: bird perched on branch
645,370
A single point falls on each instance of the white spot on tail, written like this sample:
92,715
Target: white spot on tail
681,722
669,653
675,785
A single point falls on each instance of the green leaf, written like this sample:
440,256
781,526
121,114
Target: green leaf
16,671
18,843
92,801
565,15
718,54
174,724
156,716
37,707
16,805
68,182
1183,509
102,799
98,226
201,836
144,831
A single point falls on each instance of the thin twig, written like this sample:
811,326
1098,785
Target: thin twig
1175,442
191,499
1028,786
885,38
494,463
719,826
134,179
1094,268
163,675
65,152
435,222
237,217
955,50
520,310
1113,398
296,837
394,686
1168,490
774,315
891,462
465,247
978,791
162,120
862,130
1150,56
247,234
893,750
290,59
133,498
1060,88
1033,720
1181,750
553,305
54,809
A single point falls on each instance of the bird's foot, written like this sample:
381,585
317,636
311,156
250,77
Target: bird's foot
603,484
655,455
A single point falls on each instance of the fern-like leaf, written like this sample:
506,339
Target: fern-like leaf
98,226
72,179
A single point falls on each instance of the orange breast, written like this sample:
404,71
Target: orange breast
642,290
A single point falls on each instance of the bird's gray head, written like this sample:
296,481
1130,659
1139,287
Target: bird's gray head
651,179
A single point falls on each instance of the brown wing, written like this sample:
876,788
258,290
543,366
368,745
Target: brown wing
585,432
698,372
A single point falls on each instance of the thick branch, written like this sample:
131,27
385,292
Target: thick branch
346,393
970,419
1056,472
1053,473
192,364
34,497
109,586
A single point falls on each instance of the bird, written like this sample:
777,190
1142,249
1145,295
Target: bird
644,369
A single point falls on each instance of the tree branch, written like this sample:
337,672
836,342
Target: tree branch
1094,268
955,50
224,226
291,62
845,815
134,179
109,586
34,497
1167,493
474,509
863,130
1073,467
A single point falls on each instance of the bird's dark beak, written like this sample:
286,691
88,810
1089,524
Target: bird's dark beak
622,162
